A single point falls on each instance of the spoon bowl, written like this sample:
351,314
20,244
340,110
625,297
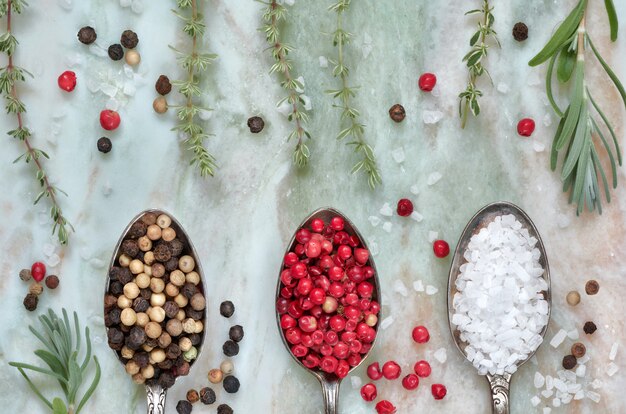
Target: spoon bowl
156,394
330,382
499,384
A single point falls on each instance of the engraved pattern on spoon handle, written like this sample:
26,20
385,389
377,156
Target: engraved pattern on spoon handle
156,399
500,385
330,388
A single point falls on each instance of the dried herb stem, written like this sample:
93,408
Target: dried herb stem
9,76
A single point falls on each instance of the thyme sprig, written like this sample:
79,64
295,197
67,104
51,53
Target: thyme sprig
474,59
273,15
61,354
580,134
193,63
10,76
352,127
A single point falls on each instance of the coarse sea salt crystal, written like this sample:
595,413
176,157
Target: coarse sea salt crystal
538,146
596,384
374,220
556,402
431,290
535,401
434,178
387,226
386,323
417,216
398,155
547,393
53,260
612,369
558,338
432,236
540,380
593,396
323,62
431,117
573,334
415,189
579,395
356,382
581,370
48,249
613,352
418,286
399,287
441,355
503,88
386,210
547,410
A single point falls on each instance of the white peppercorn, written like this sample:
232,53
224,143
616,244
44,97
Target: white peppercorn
164,221
157,355
142,280
186,263
181,300
123,302
142,319
177,278
174,327
128,317
153,330
192,277
227,367
131,290
168,234
131,367
124,260
157,285
157,299
156,314
154,232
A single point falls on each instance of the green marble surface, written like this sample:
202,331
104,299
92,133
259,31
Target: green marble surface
241,220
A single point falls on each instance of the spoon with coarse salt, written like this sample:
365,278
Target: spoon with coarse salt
499,295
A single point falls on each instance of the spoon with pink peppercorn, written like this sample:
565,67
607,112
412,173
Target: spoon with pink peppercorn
499,296
154,304
328,300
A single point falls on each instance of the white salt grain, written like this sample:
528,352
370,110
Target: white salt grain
431,290
432,117
432,236
398,155
323,62
503,88
612,369
418,286
593,396
613,352
535,401
399,287
374,220
547,410
386,210
596,384
579,395
434,178
556,402
558,338
539,380
387,226
417,216
386,323
415,189
538,146
547,393
573,334
581,370
441,355
356,382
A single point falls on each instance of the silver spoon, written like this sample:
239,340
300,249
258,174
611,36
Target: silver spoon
500,384
329,382
156,394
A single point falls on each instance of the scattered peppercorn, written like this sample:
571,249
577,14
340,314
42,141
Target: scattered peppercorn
592,287
578,350
590,328
215,376
569,361
30,302
520,32
397,113
160,105
25,275
105,145
236,333
231,384
132,58
129,39
573,298
163,85
207,396
230,348
192,396
227,309
52,281
87,35
35,288
116,52
227,367
224,409
183,407
256,124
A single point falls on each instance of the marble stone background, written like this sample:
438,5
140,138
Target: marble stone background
241,220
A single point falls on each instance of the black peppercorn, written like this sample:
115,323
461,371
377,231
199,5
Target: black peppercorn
110,302
162,253
115,346
30,302
173,351
166,380
113,272
231,384
167,364
256,124
170,308
227,309
137,337
113,317
116,52
176,247
25,275
520,32
590,328
141,305
230,348
115,336
145,293
195,339
129,39
52,281
189,290
142,359
104,145
130,247
184,407
194,314
236,333
207,396
569,361
397,113
171,264
124,276
116,288
592,287
224,409
163,85
87,35
183,369
137,230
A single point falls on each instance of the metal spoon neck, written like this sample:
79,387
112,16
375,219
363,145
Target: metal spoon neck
330,390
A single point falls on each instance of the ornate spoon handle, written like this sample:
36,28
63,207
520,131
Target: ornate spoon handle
156,399
330,388
500,385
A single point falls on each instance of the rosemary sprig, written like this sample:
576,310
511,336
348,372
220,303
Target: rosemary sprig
350,115
61,355
580,134
273,15
194,62
10,75
474,59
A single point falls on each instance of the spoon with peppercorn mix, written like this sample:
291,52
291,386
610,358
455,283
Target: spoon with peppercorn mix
328,300
498,382
154,303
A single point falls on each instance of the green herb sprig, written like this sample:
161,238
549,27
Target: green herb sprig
10,76
474,59
62,355
273,15
580,134
193,63
353,128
